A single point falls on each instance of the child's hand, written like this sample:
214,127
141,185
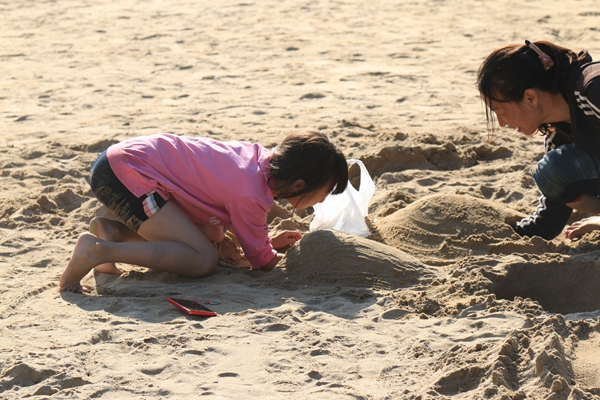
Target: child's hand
285,239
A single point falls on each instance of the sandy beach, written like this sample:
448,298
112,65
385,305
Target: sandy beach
442,301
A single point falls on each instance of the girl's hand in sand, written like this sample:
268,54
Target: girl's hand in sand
580,228
285,239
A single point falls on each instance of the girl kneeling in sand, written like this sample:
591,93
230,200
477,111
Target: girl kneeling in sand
169,196
542,87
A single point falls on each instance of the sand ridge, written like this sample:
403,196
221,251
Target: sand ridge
442,301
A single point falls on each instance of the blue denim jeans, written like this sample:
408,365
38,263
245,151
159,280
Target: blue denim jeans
567,172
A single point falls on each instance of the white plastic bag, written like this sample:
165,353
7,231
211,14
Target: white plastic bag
346,211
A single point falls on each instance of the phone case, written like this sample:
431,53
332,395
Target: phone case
192,307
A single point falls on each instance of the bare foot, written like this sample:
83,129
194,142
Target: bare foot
112,231
580,228
82,261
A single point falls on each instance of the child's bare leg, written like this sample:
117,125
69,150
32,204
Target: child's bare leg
83,257
580,228
104,212
174,244
214,233
112,230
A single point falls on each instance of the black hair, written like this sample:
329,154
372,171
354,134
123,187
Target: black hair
308,155
510,70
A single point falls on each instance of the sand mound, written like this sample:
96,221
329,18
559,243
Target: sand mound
334,258
447,227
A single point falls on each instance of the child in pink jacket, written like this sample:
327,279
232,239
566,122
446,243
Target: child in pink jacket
170,196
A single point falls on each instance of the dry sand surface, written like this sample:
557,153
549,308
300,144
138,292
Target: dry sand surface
442,301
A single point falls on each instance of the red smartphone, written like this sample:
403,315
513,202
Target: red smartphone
192,307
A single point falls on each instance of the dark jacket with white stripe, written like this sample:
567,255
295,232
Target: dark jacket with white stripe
582,93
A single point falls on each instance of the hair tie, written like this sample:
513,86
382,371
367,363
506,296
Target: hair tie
544,58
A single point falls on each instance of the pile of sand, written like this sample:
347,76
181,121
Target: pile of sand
442,301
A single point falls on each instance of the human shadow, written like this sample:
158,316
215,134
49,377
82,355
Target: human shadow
327,271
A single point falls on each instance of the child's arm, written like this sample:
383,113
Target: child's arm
547,221
281,242
271,264
249,222
285,239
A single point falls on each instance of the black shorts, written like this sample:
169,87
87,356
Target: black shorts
109,190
